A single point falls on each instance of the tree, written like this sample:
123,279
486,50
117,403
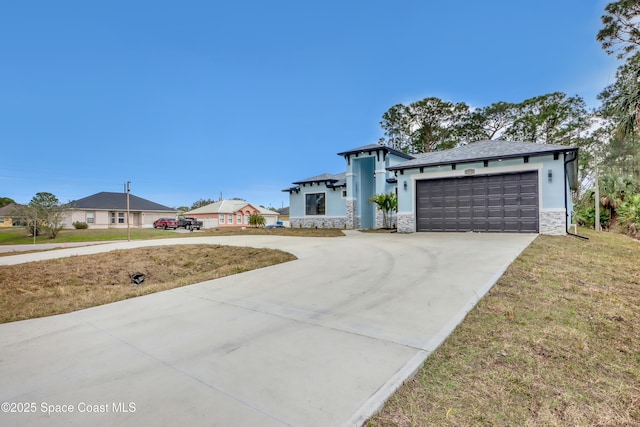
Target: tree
388,204
45,211
50,211
423,126
553,118
257,220
200,203
4,201
620,33
621,100
489,122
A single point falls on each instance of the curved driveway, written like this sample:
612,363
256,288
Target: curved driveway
320,341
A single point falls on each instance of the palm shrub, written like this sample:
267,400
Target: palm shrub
257,220
629,214
388,204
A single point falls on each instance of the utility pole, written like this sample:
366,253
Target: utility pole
597,200
128,188
35,226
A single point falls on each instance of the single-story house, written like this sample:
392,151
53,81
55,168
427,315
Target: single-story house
6,213
230,213
487,186
109,210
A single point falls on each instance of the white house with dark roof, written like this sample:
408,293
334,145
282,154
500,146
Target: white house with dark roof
487,186
109,210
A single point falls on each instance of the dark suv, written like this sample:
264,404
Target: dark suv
165,223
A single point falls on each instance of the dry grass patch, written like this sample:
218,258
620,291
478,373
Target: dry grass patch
555,342
63,285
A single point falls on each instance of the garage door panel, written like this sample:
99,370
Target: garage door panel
495,203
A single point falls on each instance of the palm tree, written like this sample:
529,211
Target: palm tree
387,203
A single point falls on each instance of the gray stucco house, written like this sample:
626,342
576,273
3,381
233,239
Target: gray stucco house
487,186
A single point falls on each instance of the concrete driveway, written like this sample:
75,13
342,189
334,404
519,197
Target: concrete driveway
320,341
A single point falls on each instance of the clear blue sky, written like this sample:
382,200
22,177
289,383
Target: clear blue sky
188,100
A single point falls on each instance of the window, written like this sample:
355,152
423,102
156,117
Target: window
90,217
113,217
1,220
314,204
120,217
221,218
230,218
246,218
239,219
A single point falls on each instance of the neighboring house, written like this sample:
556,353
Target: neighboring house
230,213
109,210
487,186
6,212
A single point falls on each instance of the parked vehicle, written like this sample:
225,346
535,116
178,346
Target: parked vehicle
278,224
189,223
165,223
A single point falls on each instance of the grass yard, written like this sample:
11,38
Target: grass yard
19,236
63,285
556,342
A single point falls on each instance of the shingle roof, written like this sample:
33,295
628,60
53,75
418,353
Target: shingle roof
375,147
335,180
228,207
8,209
118,201
482,150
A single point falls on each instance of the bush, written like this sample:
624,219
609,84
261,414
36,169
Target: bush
586,217
79,225
629,214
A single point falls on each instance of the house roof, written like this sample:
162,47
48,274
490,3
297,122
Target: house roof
228,207
482,150
375,147
334,179
8,209
331,180
118,201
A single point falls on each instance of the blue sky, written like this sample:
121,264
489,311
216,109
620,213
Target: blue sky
188,100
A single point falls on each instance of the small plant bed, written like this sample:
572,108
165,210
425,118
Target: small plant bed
379,230
555,342
44,288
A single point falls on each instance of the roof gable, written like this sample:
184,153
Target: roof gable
228,207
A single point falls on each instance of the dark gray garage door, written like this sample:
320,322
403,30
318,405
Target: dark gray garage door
497,203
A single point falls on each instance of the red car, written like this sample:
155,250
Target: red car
165,223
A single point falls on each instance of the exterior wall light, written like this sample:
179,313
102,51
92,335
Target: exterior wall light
550,175
405,186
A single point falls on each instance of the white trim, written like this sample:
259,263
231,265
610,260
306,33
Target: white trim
350,174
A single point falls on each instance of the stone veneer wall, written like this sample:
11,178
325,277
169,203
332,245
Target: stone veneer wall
406,223
553,222
351,219
320,222
379,218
